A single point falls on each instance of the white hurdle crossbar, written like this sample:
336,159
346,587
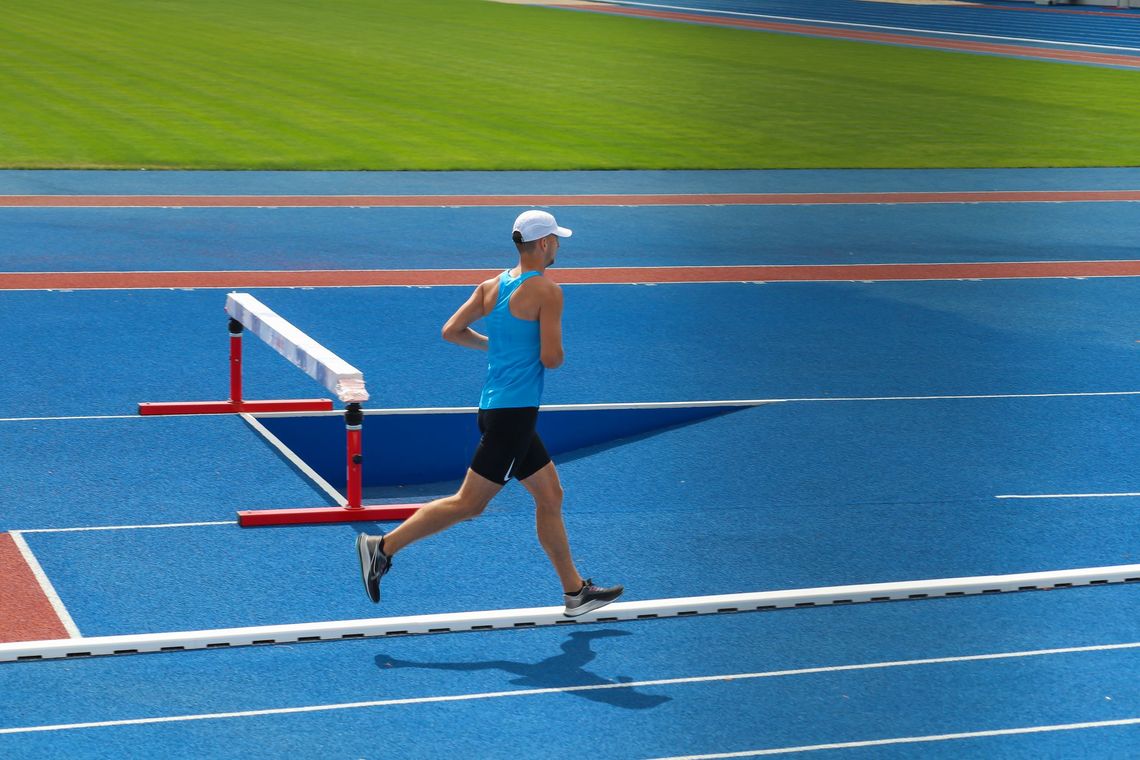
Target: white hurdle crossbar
316,361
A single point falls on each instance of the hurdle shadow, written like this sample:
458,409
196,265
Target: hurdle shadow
558,671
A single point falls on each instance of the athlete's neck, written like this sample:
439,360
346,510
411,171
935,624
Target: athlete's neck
529,264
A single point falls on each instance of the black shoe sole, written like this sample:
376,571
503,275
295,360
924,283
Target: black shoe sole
589,606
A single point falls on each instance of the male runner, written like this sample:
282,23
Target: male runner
523,316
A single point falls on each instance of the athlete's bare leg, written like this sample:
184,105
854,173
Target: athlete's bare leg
469,501
546,489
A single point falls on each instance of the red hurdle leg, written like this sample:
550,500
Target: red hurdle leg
235,361
353,421
354,510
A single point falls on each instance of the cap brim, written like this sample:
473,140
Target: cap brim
563,232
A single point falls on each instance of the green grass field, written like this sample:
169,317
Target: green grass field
468,84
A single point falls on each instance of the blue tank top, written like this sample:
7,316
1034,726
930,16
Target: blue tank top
514,371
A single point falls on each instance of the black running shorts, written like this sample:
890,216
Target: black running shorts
510,447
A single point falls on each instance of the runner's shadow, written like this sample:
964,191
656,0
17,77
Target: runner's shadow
565,670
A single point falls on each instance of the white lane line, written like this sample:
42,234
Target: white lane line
946,398
532,617
128,527
546,407
703,403
752,281
723,677
914,739
1065,495
935,32
45,585
252,418
295,460
85,417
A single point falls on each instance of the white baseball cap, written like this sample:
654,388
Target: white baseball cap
535,225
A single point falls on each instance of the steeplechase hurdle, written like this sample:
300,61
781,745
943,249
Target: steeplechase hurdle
337,375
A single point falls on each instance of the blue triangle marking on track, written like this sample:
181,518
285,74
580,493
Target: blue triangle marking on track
433,445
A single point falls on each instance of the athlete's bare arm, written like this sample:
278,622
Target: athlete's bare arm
550,325
458,330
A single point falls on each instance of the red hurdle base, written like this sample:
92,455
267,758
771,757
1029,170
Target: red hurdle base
233,407
379,512
354,510
236,404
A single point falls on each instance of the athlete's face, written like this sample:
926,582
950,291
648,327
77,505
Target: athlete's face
551,249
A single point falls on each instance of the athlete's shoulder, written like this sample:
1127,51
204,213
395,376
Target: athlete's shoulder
545,286
549,295
487,292
490,286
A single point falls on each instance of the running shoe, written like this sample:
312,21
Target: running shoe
590,597
373,563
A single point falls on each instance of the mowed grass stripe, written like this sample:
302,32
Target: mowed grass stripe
468,84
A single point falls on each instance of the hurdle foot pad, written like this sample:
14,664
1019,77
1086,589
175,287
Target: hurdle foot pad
314,515
236,407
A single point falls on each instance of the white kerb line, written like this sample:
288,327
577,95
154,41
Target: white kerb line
485,620
316,361
45,585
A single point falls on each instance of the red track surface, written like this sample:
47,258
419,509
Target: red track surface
25,613
577,276
659,199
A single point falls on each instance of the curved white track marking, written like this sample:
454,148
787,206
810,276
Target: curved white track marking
722,678
914,739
